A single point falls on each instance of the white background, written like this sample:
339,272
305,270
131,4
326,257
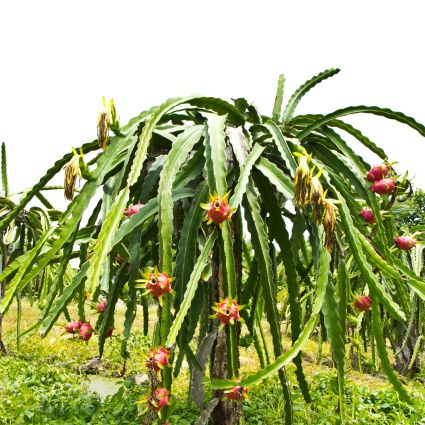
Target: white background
58,58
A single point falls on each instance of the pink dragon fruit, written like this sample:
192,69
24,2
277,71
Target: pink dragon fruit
132,209
161,399
377,172
86,331
383,186
405,242
73,326
101,307
363,303
367,214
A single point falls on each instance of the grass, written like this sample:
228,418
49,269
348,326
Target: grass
45,383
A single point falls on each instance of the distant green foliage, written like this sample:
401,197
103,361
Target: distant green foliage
411,212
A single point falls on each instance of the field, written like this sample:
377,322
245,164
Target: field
46,382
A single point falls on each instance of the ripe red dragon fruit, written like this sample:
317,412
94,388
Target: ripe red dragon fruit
405,242
218,210
227,311
363,303
237,393
132,209
157,284
377,172
160,399
158,359
101,307
383,186
73,326
367,214
86,331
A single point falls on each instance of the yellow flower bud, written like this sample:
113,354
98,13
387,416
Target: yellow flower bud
302,182
104,123
329,224
317,199
72,176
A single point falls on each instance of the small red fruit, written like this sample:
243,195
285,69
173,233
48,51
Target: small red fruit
237,393
158,358
109,333
101,307
363,303
227,311
383,187
377,172
405,242
161,399
86,331
73,326
367,214
218,210
132,209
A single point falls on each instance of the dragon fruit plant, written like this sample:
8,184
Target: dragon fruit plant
238,206
29,227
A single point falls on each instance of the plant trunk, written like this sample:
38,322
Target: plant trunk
4,260
226,412
2,346
405,356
